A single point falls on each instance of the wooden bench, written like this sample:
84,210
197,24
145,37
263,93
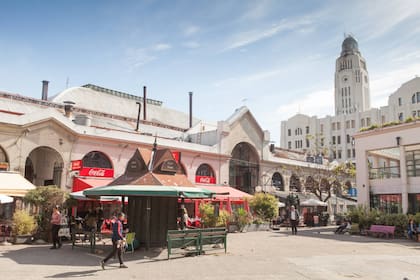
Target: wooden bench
183,239
193,240
381,230
213,236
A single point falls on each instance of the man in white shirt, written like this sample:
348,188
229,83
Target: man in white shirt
294,219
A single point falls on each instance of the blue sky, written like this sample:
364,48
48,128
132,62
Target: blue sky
276,57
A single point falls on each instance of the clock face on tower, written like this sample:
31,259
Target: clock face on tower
345,79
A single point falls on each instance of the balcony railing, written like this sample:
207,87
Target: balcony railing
384,172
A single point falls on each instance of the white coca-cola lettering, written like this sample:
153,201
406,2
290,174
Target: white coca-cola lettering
97,172
205,180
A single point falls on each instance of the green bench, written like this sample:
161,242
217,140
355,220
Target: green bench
213,236
195,239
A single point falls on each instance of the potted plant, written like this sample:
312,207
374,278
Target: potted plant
23,226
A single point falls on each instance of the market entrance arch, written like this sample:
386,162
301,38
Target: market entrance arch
44,166
244,168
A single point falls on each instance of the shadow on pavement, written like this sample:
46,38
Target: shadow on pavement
328,233
42,255
74,274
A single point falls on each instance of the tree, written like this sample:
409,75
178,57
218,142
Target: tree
44,198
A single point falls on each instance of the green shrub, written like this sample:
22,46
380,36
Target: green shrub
242,217
208,217
223,219
265,206
23,223
365,218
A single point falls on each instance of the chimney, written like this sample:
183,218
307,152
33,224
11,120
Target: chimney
68,108
144,103
45,90
191,94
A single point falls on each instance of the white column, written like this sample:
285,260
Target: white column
404,181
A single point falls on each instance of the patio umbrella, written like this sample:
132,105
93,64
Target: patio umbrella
5,199
313,202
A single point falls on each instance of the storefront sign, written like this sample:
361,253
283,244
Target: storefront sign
205,180
76,165
169,166
96,172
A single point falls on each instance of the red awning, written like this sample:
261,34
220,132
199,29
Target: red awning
225,192
80,183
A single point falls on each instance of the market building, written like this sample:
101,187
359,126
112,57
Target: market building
84,136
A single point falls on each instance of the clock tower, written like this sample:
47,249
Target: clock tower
351,80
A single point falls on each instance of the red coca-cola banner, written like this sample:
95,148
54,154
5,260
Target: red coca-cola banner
96,172
205,180
76,165
177,156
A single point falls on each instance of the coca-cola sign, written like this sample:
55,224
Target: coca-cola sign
205,179
96,172
76,165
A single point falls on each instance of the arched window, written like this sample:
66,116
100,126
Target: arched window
295,184
277,181
205,174
96,159
205,170
4,162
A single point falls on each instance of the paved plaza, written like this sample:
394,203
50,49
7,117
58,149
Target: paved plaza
312,254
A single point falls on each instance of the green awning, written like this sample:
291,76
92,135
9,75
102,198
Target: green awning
148,190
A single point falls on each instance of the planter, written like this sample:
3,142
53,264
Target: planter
22,239
256,227
233,227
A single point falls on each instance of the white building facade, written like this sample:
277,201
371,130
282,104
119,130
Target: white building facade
388,168
332,136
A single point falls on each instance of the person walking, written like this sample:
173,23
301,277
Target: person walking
55,227
294,219
117,240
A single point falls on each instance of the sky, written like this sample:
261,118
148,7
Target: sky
275,57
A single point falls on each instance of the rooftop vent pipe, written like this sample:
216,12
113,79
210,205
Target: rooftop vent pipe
45,90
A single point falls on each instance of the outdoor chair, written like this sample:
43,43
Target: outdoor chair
129,238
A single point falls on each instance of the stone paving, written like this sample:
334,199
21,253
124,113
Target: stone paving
312,254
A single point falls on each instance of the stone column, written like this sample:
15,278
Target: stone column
404,181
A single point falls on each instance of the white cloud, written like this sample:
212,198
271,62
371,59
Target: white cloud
249,37
191,44
161,47
138,57
317,103
257,10
255,77
191,30
386,83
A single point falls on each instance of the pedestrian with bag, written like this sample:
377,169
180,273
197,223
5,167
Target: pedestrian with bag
118,240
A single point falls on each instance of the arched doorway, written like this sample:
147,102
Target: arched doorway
277,181
44,166
4,161
244,168
295,185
